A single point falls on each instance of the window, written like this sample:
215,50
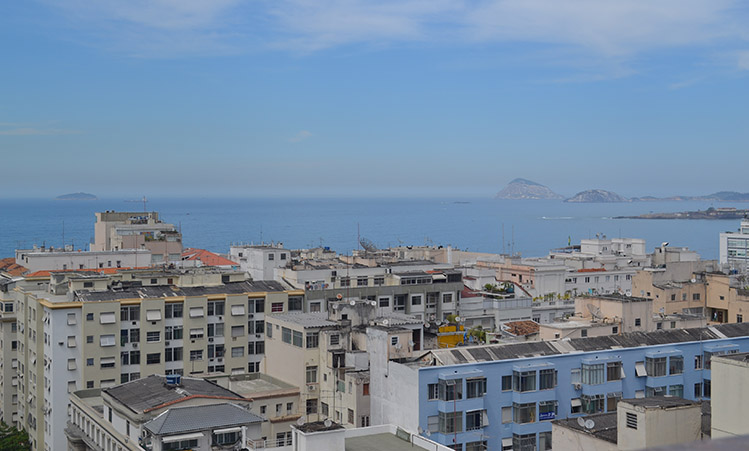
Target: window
451,390
447,298
276,307
637,322
89,338
314,307
89,316
173,310
180,445
739,318
173,354
547,410
107,318
295,304
153,337
698,390
393,341
544,439
215,329
676,390
615,329
507,383
286,335
130,313
152,359
696,297
107,340
237,331
271,257
107,362
350,416
311,406
416,299
547,379
71,319
153,315
631,420
173,333
450,422
525,442
658,326
706,388
698,362
399,303
379,280
506,414
655,366
335,339
592,403
584,333
433,392
475,388
475,419
524,413
362,281
313,340
296,338
675,365
593,374
613,371
311,375
655,391
196,354
216,308
524,381
576,405
90,362
196,312
196,333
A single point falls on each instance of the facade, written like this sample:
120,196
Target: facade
8,353
734,248
730,398
117,230
507,395
260,261
80,331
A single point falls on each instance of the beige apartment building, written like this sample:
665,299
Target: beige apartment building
81,331
117,230
8,353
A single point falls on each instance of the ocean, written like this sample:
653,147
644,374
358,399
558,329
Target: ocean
531,228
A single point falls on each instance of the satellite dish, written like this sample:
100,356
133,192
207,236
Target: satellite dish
426,324
589,424
334,306
421,430
428,433
457,319
595,311
300,421
385,322
328,423
628,293
581,422
398,345
693,280
339,296
373,303
352,302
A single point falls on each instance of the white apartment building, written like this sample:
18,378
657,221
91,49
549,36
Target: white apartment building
260,261
104,331
117,230
734,248
52,259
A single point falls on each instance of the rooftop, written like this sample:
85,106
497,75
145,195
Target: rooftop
521,328
615,297
162,291
661,402
200,418
152,392
605,426
9,265
511,351
312,319
318,426
206,257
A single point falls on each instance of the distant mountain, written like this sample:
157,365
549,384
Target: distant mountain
596,196
77,196
526,189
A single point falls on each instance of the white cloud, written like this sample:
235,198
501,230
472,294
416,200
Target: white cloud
301,136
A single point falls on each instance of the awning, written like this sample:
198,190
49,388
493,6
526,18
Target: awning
576,402
227,430
196,312
639,394
237,310
107,360
179,438
107,318
507,442
640,369
439,277
153,315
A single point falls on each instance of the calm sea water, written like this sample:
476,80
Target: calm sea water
530,227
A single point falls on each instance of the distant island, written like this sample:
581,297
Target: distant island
526,189
77,196
596,196
710,213
720,196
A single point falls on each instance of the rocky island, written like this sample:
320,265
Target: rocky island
596,196
77,196
526,189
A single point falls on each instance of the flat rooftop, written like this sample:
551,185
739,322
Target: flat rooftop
312,319
604,426
378,442
663,402
513,351
162,291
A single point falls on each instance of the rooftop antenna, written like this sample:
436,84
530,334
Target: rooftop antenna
63,234
595,311
145,201
503,238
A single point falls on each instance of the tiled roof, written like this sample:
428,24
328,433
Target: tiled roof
206,257
10,266
592,270
199,418
521,328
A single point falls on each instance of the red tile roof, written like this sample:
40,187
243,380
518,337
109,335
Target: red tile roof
206,257
10,266
592,270
522,328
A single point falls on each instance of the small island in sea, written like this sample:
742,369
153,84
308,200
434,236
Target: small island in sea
710,213
77,196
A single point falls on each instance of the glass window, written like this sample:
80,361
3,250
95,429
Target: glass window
523,381
451,390
675,365
450,422
475,388
613,371
311,374
547,379
612,399
655,391
676,390
313,340
474,420
592,403
525,442
593,374
506,383
655,366
524,413
547,410
296,338
432,391
286,335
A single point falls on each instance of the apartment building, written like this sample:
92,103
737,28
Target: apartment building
59,259
117,230
260,261
78,330
505,396
326,355
160,413
8,353
734,248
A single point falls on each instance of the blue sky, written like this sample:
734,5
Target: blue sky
372,98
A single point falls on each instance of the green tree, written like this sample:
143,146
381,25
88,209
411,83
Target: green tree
11,439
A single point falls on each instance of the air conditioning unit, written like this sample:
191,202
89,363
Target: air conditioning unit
210,339
311,387
135,345
577,386
251,315
166,343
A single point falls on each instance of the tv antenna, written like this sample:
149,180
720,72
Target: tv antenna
595,311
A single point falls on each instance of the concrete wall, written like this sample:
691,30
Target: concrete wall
730,397
567,439
658,426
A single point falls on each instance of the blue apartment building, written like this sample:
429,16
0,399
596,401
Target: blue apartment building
504,397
